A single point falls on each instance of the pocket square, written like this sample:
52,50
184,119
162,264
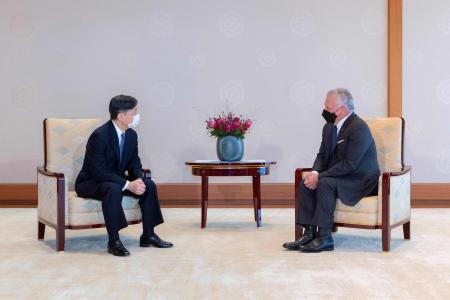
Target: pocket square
340,141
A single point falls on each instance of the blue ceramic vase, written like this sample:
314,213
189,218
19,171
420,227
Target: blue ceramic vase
230,148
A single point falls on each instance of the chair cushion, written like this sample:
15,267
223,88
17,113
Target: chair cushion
356,218
96,217
86,205
365,212
365,205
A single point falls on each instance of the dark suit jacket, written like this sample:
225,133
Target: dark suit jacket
102,160
353,162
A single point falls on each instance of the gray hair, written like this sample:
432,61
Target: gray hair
344,95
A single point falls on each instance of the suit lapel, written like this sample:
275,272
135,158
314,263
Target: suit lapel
344,126
343,129
114,142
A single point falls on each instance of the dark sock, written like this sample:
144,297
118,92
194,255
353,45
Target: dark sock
149,232
113,236
313,227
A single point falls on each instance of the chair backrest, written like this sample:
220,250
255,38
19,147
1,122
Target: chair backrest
388,134
65,145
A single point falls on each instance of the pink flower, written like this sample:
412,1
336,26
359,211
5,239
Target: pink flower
228,124
247,124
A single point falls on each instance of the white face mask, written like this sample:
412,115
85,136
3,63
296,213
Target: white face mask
135,122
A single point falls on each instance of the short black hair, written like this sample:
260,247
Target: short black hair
121,103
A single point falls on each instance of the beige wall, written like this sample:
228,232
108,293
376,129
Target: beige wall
185,60
427,89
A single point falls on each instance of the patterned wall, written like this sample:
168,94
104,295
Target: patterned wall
272,61
426,103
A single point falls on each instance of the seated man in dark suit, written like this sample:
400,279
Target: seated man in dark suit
346,167
111,150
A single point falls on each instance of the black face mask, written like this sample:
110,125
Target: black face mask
329,116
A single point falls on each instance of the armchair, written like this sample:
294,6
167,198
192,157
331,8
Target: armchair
59,207
392,206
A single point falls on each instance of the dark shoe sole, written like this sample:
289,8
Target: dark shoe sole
156,246
316,251
292,249
110,252
296,248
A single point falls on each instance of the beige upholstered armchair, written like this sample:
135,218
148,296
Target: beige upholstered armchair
392,206
58,205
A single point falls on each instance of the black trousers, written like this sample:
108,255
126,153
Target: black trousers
316,207
110,193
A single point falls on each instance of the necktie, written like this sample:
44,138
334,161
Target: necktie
333,137
122,142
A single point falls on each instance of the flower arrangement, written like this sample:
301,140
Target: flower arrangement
228,124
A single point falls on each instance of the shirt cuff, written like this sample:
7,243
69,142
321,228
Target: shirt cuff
125,186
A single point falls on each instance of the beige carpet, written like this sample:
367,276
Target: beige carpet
230,259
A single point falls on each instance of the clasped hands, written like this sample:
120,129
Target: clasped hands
137,186
311,181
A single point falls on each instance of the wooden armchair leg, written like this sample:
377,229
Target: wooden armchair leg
41,230
60,238
407,230
386,238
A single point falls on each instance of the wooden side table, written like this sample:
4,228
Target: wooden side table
253,168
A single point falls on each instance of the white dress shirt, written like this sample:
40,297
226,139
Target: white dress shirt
341,122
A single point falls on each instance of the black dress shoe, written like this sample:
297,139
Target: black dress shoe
319,244
154,240
116,248
308,236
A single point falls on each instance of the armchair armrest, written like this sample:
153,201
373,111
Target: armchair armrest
43,171
404,170
396,196
147,173
51,197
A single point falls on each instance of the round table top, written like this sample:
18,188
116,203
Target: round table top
231,164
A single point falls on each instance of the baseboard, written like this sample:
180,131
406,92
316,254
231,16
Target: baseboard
430,195
426,195
18,195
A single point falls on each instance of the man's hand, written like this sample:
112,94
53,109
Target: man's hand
137,187
311,181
